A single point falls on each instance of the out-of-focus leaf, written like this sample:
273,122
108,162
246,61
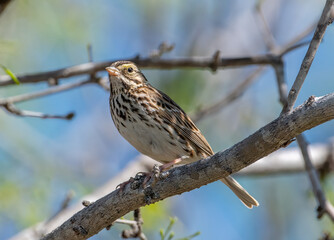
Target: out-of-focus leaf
170,225
11,74
190,237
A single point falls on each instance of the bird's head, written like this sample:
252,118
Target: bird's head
125,74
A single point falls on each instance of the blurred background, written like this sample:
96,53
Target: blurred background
41,160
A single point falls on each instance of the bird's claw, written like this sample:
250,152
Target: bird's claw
149,177
122,185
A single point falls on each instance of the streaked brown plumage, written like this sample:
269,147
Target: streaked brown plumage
155,125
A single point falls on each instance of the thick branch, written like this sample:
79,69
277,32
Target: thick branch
268,139
284,161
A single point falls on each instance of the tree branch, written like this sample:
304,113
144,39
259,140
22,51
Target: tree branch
324,205
284,161
8,103
268,139
24,113
49,91
190,62
308,59
288,102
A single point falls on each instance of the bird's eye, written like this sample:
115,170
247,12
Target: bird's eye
130,70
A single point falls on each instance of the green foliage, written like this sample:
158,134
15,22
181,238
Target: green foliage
169,235
11,74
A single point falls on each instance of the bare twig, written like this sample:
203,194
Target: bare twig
294,42
90,52
162,49
49,91
215,61
8,103
281,83
191,62
237,92
64,205
266,32
126,222
308,59
290,48
136,229
324,205
90,59
24,113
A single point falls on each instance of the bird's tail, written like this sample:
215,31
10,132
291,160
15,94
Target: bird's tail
241,193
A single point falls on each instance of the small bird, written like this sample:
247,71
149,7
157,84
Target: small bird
156,126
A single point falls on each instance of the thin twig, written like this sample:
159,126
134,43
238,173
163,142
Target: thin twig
90,52
42,93
126,222
8,103
293,47
136,229
281,83
162,49
64,205
289,46
266,32
24,113
308,59
324,205
237,92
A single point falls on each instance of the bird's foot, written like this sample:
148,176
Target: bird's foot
150,178
122,185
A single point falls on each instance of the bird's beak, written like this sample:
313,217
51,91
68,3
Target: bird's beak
112,71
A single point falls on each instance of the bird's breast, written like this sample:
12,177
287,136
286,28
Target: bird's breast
141,128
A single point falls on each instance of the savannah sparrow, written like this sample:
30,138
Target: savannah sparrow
156,126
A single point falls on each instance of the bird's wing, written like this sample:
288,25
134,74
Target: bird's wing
172,114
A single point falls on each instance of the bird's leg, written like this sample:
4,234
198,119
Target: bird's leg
158,170
167,166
